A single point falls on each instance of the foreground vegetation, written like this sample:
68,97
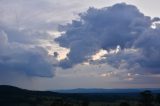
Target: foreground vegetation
12,96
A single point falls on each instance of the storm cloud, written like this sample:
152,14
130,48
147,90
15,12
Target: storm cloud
120,26
29,60
24,39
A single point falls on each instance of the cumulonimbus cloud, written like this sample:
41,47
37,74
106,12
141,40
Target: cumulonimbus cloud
17,57
119,25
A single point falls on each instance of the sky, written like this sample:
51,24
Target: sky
64,44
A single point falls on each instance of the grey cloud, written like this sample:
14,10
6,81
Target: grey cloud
119,25
105,28
42,14
145,60
28,14
23,33
149,45
32,61
3,39
155,19
25,36
80,51
36,14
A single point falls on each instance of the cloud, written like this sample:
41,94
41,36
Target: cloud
25,41
144,58
37,14
30,14
120,25
32,61
103,26
120,30
149,44
24,38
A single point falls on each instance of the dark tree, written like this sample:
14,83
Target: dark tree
124,104
146,98
85,103
158,98
58,102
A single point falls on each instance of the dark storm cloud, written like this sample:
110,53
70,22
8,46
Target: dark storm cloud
104,26
31,61
119,25
24,38
149,44
146,59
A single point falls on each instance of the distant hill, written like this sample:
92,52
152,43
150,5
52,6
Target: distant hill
13,96
11,90
95,90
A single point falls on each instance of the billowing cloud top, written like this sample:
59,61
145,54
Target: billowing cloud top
121,27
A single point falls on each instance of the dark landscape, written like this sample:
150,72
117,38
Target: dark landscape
13,96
